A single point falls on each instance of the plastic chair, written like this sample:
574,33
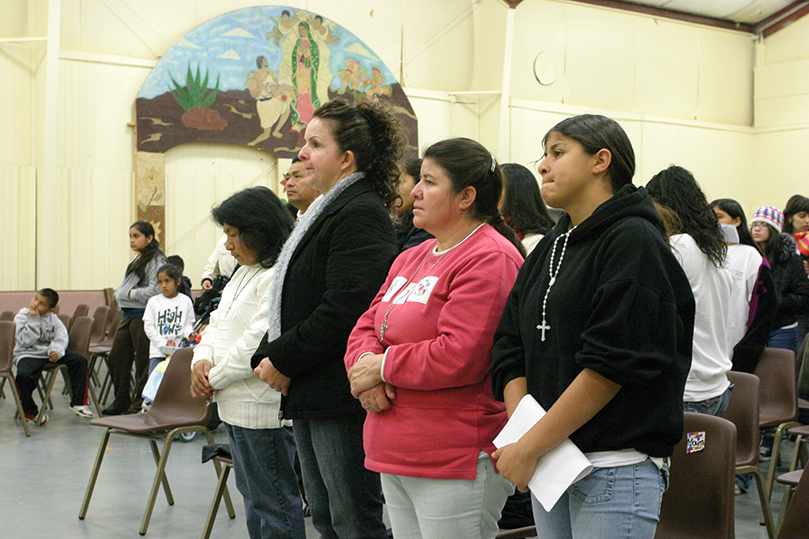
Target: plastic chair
7,342
778,400
65,318
78,341
173,412
794,525
6,315
743,412
97,334
82,309
700,500
790,480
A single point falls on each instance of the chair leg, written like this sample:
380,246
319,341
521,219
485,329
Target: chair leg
164,479
94,474
2,384
221,486
217,466
766,512
50,380
785,501
20,413
776,447
160,476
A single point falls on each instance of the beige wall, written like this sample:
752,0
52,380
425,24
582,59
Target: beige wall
684,93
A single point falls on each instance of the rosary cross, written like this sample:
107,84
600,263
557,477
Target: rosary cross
542,327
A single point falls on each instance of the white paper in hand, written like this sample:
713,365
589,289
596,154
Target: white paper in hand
558,468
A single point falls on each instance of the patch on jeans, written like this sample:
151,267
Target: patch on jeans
696,442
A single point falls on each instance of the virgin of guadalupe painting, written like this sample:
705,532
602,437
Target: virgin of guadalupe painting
255,76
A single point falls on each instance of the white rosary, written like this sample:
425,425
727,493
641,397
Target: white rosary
543,327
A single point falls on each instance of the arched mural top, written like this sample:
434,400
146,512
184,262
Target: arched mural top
254,77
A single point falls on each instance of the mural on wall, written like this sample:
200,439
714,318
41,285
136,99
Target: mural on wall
253,77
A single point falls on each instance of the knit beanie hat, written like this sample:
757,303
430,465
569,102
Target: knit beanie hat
770,215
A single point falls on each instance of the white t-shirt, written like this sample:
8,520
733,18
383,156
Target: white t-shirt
743,262
167,318
712,287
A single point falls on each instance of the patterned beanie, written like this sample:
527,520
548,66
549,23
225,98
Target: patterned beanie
770,215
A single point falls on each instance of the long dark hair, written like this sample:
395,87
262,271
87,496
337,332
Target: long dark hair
523,208
149,253
795,204
676,188
263,222
767,246
734,210
595,132
374,136
468,163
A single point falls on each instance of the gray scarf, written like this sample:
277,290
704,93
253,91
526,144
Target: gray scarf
282,264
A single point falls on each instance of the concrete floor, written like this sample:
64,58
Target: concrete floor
43,479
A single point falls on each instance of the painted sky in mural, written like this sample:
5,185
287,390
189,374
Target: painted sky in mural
255,76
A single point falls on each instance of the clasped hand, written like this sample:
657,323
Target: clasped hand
272,377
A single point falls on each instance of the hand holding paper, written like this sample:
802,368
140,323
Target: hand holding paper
555,471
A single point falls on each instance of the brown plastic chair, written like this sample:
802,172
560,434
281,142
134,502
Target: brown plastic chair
97,334
78,341
790,480
743,411
221,487
7,315
99,353
65,318
82,309
174,411
778,400
7,342
794,525
699,502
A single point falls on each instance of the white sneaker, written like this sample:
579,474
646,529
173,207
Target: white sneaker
82,410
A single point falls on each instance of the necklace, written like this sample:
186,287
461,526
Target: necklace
403,288
240,290
543,327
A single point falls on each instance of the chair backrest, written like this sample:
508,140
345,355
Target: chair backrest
7,331
794,524
173,403
7,315
742,411
113,321
778,395
700,500
99,323
79,335
82,309
65,318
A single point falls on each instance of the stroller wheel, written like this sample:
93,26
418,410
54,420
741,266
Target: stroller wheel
187,436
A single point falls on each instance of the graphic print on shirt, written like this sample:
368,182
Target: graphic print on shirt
394,287
423,289
170,321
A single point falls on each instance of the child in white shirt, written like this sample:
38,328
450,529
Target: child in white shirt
169,318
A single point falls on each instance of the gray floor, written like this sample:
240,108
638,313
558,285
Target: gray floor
43,479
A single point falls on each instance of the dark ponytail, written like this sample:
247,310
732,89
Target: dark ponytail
467,163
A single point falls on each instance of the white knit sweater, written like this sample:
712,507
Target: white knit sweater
228,343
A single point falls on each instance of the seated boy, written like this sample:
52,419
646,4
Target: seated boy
41,339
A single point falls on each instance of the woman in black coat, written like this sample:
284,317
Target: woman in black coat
326,276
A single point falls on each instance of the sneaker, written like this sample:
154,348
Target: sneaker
765,453
32,418
737,490
82,410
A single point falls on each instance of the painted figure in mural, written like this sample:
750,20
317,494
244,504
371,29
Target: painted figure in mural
284,27
272,100
305,64
377,84
324,37
353,76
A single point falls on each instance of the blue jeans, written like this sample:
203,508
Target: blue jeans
262,463
610,503
712,406
345,498
784,338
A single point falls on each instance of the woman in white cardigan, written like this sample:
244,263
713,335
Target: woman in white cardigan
256,225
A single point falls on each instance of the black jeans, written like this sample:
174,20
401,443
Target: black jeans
29,370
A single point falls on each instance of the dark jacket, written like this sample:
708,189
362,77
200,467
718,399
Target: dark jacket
763,305
622,306
791,282
332,277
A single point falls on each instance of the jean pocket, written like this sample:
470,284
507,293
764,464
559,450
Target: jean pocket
597,487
